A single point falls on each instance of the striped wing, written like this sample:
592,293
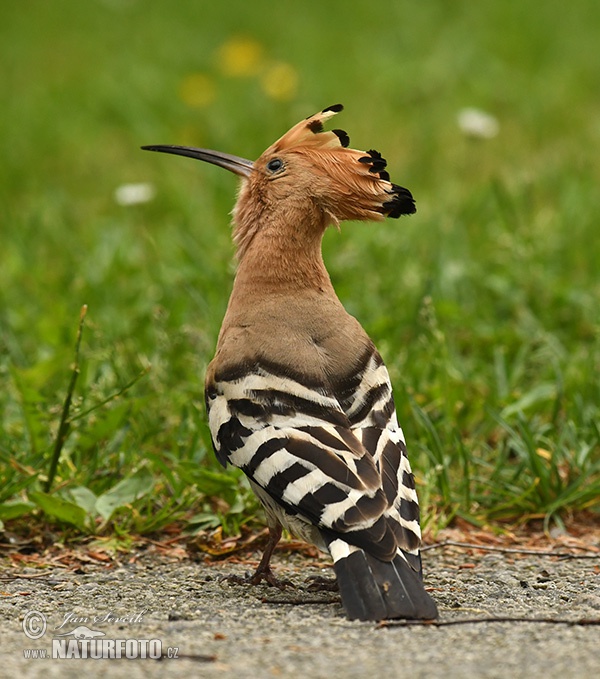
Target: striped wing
337,462
372,414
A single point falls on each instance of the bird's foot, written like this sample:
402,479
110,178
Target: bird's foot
259,576
267,575
317,583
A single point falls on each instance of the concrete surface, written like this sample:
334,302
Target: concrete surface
222,630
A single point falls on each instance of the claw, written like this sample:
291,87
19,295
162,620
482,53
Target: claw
259,576
317,583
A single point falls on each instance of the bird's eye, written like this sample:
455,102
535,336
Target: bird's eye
275,165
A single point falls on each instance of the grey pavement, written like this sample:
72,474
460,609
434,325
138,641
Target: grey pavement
222,629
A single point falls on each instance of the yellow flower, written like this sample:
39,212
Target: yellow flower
280,81
197,90
240,56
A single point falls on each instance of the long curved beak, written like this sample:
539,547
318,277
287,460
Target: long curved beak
235,164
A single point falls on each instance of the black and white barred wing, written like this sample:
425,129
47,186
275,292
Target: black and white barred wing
369,405
330,480
303,451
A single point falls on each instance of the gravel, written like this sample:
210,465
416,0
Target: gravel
222,629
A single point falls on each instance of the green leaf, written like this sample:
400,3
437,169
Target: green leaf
125,492
11,510
204,520
60,509
213,483
84,498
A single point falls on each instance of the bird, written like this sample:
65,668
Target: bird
297,395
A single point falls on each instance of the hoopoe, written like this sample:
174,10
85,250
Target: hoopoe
297,395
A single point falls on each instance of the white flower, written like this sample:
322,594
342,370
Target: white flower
132,194
474,122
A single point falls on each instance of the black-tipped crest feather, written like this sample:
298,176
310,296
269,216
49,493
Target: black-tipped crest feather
342,135
336,108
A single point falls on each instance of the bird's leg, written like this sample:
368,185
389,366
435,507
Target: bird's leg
264,572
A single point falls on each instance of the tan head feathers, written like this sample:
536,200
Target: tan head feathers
359,176
310,132
309,176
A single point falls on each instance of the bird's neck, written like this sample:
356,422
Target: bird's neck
282,253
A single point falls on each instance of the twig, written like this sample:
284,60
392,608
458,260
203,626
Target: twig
300,601
475,621
63,428
199,657
112,397
510,550
24,576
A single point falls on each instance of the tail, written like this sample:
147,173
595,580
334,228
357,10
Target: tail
377,590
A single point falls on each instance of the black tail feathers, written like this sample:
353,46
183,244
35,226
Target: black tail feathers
376,590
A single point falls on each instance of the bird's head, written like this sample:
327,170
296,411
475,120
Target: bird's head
307,176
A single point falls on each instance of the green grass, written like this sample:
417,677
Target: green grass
485,305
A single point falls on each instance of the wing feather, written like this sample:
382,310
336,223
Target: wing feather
337,463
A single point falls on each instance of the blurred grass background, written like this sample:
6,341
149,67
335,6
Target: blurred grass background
485,305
